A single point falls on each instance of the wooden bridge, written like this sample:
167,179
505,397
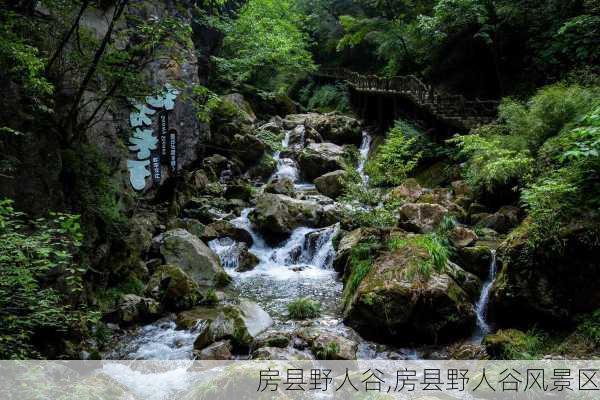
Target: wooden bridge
454,110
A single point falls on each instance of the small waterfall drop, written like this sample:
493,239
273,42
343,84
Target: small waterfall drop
365,147
481,306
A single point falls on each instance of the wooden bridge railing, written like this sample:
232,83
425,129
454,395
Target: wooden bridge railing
424,95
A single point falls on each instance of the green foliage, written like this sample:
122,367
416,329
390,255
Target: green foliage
107,298
511,344
547,113
360,263
271,139
265,46
326,98
589,327
395,158
436,247
20,60
304,308
329,352
98,194
577,39
493,160
210,297
206,102
40,280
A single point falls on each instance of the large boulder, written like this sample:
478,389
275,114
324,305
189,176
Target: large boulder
336,128
173,288
328,345
462,237
181,248
243,109
350,241
547,281
394,302
280,185
224,228
421,217
409,191
142,227
476,259
132,308
277,214
240,324
502,221
331,184
320,158
216,351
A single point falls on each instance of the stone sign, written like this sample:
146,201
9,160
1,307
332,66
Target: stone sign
152,151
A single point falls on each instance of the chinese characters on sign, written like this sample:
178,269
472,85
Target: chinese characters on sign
151,150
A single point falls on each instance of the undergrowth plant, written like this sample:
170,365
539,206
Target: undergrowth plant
41,281
304,308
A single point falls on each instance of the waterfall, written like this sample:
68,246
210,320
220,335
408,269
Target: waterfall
365,146
481,306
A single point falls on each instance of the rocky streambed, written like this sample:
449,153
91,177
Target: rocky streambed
225,270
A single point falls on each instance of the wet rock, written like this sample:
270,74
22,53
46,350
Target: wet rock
336,128
248,148
469,282
502,221
545,283
242,108
409,191
348,242
280,185
173,288
227,229
217,351
421,217
280,215
240,324
468,351
246,261
331,184
277,353
132,308
193,226
142,228
273,339
462,237
506,344
320,158
238,190
478,208
181,248
476,259
395,303
263,168
328,345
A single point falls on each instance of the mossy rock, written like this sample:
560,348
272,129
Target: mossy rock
508,344
171,286
476,260
395,303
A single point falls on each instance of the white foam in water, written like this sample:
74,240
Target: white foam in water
159,341
151,385
481,306
365,147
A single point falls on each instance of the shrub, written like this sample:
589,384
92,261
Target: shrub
395,158
493,161
329,98
304,308
360,262
329,352
40,280
437,250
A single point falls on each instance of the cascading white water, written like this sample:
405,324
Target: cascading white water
481,306
364,149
